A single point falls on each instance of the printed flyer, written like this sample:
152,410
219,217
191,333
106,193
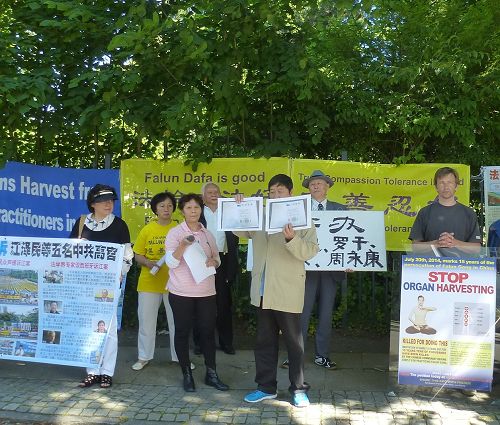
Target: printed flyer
447,320
57,299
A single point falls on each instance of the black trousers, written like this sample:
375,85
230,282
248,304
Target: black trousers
224,321
192,312
269,323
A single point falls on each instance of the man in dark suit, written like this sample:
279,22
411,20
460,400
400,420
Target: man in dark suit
321,286
227,244
53,307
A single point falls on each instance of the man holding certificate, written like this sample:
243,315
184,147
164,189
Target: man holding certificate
321,286
277,290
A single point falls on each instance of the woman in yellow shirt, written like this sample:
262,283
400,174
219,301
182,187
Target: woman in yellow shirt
149,252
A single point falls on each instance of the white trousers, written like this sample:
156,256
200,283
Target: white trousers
109,353
147,311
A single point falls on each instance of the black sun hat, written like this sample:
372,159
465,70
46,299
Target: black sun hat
101,193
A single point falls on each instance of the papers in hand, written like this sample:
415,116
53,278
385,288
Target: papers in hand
248,215
196,259
157,266
245,215
295,210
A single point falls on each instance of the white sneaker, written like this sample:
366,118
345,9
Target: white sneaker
139,364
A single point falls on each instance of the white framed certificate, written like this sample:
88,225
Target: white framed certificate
240,216
295,210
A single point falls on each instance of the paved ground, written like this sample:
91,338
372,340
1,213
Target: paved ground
359,392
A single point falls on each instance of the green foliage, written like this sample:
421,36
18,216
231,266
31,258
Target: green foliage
366,307
388,81
243,311
8,317
129,316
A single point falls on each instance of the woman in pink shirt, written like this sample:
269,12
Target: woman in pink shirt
191,301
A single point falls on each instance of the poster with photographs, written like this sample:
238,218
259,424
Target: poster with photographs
447,322
57,298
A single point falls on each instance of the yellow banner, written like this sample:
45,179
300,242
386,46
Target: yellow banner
141,179
398,191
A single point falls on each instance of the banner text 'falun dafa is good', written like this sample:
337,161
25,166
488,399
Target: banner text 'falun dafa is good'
398,191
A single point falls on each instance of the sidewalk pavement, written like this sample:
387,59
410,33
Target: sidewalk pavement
358,392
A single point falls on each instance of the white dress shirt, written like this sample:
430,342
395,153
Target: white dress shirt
220,237
314,204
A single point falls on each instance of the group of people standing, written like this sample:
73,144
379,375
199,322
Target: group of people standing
283,293
191,307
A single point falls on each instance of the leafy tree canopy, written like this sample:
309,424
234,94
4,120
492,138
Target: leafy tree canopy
387,80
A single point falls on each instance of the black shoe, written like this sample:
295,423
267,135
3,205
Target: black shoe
213,380
188,381
228,349
197,350
325,362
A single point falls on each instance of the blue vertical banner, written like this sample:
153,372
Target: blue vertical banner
40,201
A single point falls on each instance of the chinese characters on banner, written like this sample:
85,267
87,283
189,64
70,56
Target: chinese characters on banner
349,240
398,191
57,298
491,195
142,179
447,322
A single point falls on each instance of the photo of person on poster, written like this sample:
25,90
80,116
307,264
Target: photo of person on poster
418,318
101,327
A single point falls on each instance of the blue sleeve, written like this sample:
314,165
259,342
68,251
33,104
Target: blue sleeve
494,239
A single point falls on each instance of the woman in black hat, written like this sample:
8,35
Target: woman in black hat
101,225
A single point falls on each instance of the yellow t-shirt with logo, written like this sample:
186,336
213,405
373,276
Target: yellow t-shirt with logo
151,243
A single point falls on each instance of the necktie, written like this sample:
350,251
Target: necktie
320,207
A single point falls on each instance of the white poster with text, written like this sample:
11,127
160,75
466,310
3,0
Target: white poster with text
447,322
349,240
57,298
